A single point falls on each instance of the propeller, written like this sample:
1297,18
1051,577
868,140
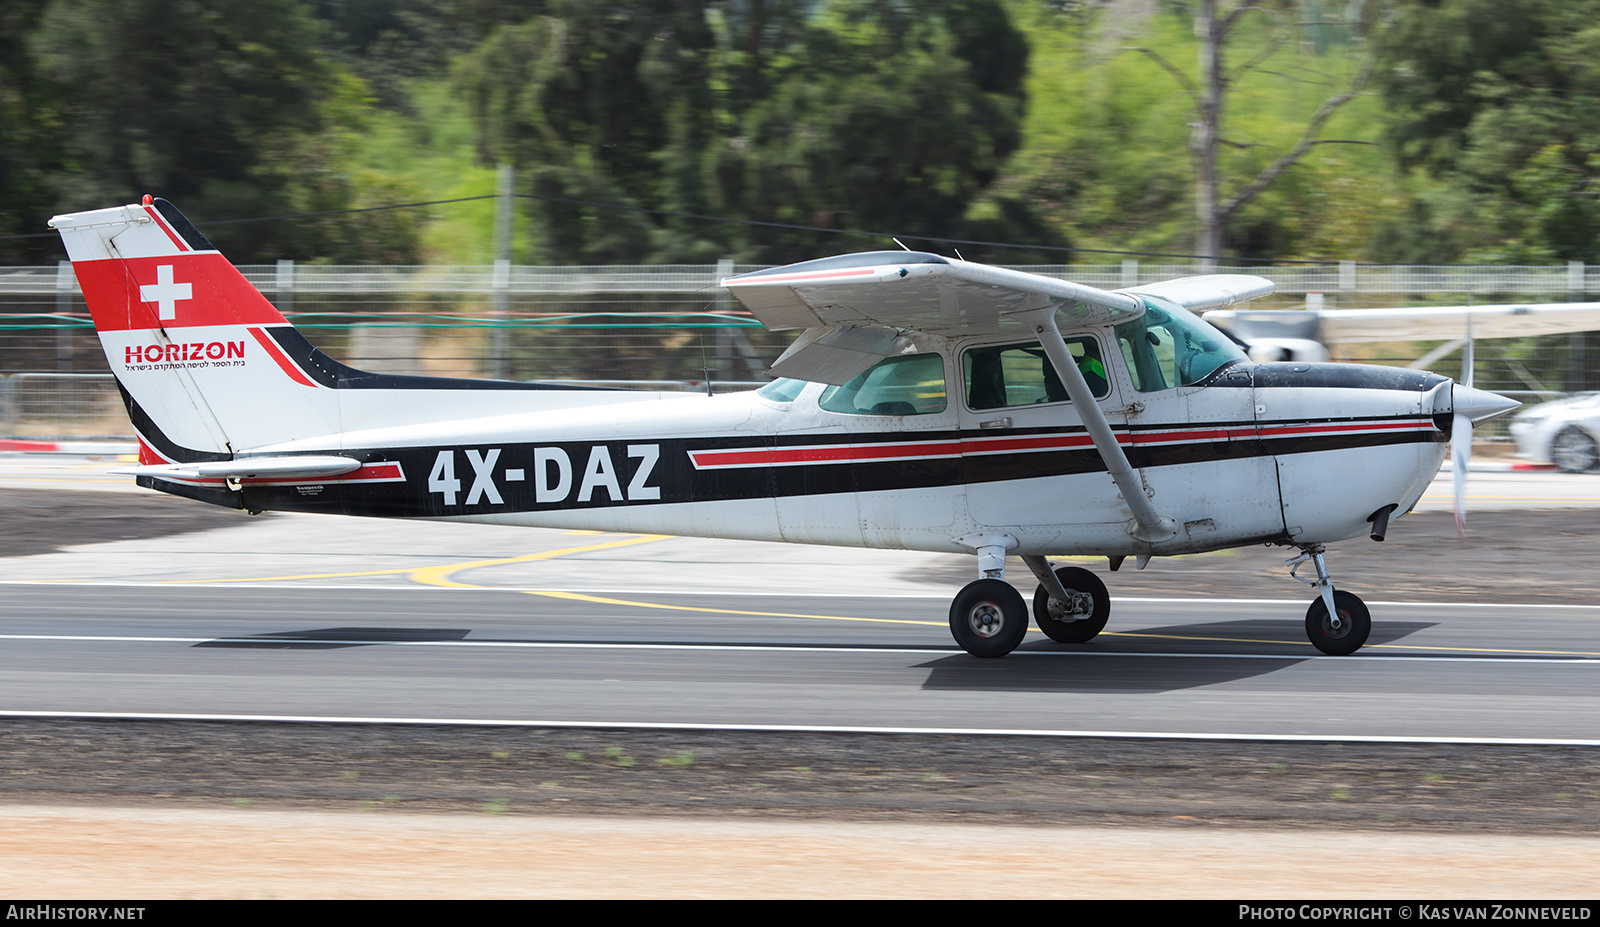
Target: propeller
1471,407
1461,440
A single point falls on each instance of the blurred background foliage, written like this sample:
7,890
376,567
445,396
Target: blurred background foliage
1469,129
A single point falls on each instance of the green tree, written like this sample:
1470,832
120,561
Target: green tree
882,119
29,150
836,114
1499,119
1112,138
227,109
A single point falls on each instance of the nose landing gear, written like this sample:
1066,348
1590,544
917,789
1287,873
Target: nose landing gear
1338,622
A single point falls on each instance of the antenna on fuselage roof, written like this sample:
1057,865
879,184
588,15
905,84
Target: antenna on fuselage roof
705,364
900,243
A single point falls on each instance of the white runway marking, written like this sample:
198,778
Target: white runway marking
801,728
713,593
268,643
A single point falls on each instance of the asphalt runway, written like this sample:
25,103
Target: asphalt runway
323,617
1168,667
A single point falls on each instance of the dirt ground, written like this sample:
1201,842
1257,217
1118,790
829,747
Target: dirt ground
129,809
132,853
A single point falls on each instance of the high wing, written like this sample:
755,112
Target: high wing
857,308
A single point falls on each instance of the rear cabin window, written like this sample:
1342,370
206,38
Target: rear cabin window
912,384
1004,375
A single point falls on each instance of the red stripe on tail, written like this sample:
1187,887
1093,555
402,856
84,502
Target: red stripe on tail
277,355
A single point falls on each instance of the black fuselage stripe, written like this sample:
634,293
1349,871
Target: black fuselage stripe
581,475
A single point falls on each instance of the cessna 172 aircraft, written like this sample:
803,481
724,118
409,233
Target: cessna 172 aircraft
930,404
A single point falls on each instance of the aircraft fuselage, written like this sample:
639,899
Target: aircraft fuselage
1285,453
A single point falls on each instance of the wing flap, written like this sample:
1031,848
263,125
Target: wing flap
835,354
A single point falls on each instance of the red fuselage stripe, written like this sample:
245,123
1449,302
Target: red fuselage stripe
932,450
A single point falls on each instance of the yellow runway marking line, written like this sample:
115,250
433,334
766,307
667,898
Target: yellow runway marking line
433,576
440,575
580,597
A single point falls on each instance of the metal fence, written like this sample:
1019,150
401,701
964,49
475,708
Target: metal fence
62,406
674,323
698,282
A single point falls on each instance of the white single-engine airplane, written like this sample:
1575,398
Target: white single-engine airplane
931,404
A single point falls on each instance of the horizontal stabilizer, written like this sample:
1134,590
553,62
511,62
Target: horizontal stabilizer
285,467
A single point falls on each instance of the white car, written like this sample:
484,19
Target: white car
1565,432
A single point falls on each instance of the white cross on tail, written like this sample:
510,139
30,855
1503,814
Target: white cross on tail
164,293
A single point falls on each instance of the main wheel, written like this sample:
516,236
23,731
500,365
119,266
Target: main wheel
988,618
1355,623
1574,451
1082,616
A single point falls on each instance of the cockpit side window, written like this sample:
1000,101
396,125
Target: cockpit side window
1004,375
1169,347
912,384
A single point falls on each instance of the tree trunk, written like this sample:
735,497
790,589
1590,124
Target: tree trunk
1203,138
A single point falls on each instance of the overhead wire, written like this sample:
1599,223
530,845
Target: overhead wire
701,217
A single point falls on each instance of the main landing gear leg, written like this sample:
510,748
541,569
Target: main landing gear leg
1337,622
1071,604
988,617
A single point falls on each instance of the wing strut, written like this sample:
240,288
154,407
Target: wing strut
1148,525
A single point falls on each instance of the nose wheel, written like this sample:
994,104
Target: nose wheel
1345,631
1337,623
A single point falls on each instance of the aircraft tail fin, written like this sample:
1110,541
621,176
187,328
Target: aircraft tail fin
206,364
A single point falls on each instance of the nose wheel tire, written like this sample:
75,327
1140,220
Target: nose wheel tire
1574,451
1355,623
1081,617
988,618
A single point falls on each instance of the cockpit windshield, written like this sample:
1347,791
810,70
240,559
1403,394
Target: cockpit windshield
1170,346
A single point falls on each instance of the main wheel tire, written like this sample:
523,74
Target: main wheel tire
1575,450
988,618
1355,623
1089,609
